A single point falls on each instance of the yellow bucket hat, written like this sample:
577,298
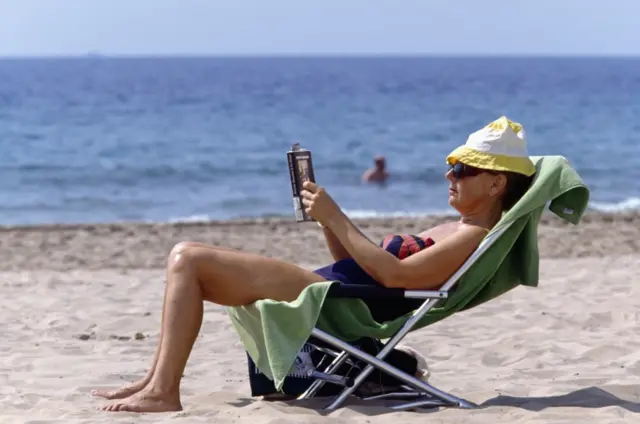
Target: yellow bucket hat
500,146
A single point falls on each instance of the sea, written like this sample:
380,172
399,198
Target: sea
109,139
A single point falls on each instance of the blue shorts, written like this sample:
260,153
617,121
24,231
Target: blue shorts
347,271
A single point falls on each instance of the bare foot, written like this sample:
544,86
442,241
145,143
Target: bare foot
147,401
123,392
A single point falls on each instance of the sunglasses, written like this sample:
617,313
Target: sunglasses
460,170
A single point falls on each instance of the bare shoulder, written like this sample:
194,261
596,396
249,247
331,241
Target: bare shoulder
471,232
455,232
433,266
440,232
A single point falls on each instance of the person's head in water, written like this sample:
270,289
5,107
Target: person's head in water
379,172
492,171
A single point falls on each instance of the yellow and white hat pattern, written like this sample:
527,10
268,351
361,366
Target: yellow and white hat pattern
500,146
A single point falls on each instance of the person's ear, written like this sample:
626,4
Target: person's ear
498,185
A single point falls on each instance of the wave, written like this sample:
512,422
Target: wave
353,213
359,213
192,218
629,204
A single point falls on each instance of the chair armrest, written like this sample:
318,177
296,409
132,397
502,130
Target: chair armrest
368,292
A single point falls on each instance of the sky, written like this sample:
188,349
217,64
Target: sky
299,27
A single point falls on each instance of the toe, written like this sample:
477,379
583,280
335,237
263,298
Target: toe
127,408
120,407
107,394
135,407
111,407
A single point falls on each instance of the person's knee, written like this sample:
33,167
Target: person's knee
182,255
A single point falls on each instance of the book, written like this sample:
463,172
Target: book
300,170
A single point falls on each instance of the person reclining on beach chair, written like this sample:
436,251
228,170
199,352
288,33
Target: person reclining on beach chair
328,334
487,176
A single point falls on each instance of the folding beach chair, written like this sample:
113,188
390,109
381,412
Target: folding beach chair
273,332
422,393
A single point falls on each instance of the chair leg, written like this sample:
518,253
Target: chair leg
331,368
443,398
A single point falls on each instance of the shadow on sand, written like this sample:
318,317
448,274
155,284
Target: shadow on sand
592,397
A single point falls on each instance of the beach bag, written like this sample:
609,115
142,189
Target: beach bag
317,355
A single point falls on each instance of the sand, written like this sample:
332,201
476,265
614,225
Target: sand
80,309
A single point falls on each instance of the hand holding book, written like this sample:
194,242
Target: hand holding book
318,204
310,202
300,171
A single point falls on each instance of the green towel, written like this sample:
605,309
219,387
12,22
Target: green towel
273,332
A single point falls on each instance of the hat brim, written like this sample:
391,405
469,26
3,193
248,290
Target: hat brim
468,156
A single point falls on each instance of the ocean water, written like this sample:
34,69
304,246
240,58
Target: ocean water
158,139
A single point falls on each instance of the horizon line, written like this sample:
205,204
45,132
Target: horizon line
284,55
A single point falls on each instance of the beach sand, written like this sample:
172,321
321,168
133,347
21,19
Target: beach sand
80,309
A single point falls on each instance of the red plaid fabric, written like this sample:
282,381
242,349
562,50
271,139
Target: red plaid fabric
405,245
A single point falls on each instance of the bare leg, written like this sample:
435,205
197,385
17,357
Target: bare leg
199,272
136,386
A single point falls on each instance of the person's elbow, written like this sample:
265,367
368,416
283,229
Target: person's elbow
388,271
394,277
408,278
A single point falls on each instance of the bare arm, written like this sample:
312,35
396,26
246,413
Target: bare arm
336,249
427,269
